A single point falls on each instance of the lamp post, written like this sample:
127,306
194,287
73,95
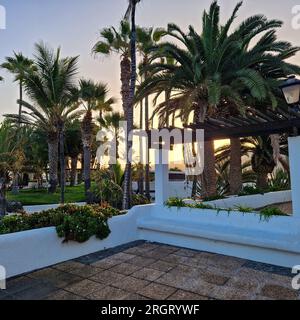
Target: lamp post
291,92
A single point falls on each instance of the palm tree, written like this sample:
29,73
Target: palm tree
118,42
130,15
146,39
11,158
258,157
49,87
93,97
112,121
18,65
216,68
73,147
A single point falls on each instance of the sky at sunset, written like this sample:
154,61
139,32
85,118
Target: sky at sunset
74,25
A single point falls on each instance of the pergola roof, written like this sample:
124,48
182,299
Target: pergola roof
253,123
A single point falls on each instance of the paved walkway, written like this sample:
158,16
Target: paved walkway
144,270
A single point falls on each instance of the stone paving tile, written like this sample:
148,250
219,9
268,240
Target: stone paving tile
107,263
157,291
19,284
148,274
61,280
186,253
109,293
185,295
279,292
107,277
37,292
84,287
241,283
135,297
268,268
125,268
144,270
228,293
141,261
130,284
149,246
123,256
64,295
85,272
156,254
68,266
162,266
173,258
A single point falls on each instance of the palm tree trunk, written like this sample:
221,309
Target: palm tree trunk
262,180
86,142
235,173
62,162
53,161
74,161
209,177
129,116
20,101
147,166
2,197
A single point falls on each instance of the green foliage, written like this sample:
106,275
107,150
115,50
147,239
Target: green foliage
175,202
31,197
106,189
73,223
179,203
244,209
267,213
249,190
280,180
139,199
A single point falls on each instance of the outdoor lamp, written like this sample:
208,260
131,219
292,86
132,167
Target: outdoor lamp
291,91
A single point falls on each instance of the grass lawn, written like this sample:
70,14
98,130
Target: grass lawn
39,197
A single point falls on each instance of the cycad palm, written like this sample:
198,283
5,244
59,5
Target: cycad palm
218,68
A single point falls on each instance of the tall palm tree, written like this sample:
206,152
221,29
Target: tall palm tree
216,68
118,42
73,147
18,64
49,88
112,121
93,97
130,15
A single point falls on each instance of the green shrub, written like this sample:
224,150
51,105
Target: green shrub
175,202
248,190
267,213
243,209
139,199
76,223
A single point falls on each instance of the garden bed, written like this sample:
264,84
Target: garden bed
30,250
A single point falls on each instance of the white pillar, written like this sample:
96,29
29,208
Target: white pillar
294,157
161,176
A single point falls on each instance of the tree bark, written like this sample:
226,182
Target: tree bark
262,180
235,173
53,161
62,163
129,117
74,161
87,143
209,177
2,197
